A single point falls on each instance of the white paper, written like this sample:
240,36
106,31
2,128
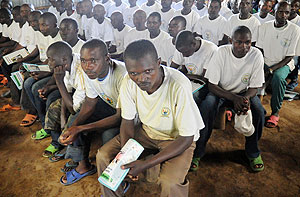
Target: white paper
14,56
36,67
113,175
197,85
18,79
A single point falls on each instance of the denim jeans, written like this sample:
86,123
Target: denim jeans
209,108
79,149
31,87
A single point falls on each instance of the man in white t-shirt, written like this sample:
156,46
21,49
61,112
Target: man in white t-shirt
211,27
117,6
166,13
190,15
120,31
150,6
177,24
68,30
294,18
192,56
244,18
234,74
129,11
140,31
106,3
52,8
99,112
264,13
161,40
60,9
69,79
70,11
279,40
87,19
201,8
170,121
234,5
101,26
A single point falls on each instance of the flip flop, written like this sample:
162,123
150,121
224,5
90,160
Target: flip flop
39,135
272,121
49,151
8,107
70,165
3,82
59,155
28,120
195,164
73,176
256,164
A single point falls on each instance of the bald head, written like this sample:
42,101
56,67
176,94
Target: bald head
117,20
241,31
59,54
139,19
184,39
48,16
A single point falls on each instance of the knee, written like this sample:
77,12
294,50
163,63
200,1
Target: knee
102,156
278,77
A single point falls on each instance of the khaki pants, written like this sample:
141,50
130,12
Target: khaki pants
173,171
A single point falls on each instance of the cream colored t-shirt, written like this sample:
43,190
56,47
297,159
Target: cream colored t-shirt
77,47
167,113
108,89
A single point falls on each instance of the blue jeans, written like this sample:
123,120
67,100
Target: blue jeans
31,87
209,108
80,148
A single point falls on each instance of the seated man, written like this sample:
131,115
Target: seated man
98,112
68,76
234,74
190,15
278,39
162,98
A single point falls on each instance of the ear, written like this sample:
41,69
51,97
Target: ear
107,58
159,61
230,40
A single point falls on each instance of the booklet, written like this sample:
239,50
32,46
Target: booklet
18,79
113,175
197,84
36,67
14,56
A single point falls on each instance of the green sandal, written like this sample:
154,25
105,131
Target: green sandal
50,151
39,135
195,164
256,164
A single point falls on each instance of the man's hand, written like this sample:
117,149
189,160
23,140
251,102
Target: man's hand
39,75
43,93
70,135
136,167
241,104
59,73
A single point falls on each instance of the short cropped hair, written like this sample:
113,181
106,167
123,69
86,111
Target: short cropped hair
49,16
140,48
61,48
155,14
71,21
241,30
96,43
180,19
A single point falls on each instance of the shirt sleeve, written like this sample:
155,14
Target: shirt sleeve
126,99
108,33
257,77
178,58
294,44
213,72
260,37
255,30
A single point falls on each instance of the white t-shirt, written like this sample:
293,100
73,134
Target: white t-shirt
296,20
168,52
108,89
113,8
119,38
53,10
211,30
252,23
224,9
75,80
135,35
103,31
167,113
177,6
77,47
227,15
202,12
0,28
87,26
236,74
128,15
64,15
165,19
278,43
269,17
12,32
199,60
160,43
154,8
191,19
27,38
